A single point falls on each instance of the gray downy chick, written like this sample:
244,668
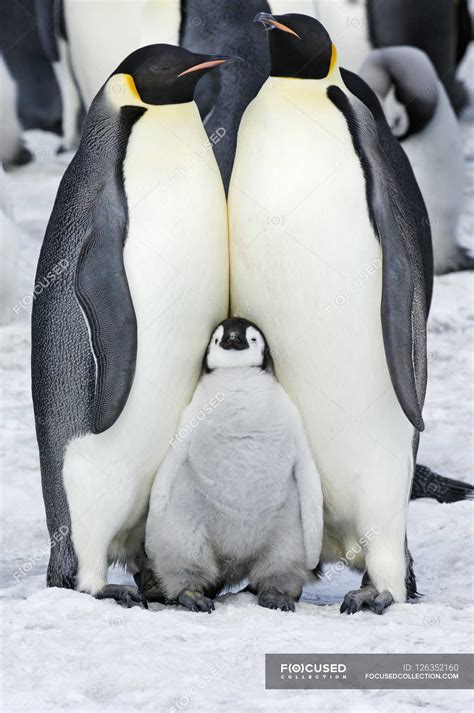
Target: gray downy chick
238,494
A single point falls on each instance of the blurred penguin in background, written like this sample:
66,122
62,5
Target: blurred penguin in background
12,147
10,235
222,99
421,117
38,99
442,29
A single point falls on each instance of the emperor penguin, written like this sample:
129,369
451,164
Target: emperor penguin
223,96
325,256
12,147
441,29
238,495
419,112
38,101
86,40
10,240
140,219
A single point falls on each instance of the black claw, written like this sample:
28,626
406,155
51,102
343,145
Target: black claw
275,600
366,596
377,608
123,595
195,601
142,599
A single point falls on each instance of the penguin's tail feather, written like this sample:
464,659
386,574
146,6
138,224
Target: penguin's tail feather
461,259
458,93
427,484
465,259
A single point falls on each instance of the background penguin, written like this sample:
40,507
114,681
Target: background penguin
420,115
38,97
117,342
12,147
325,256
227,27
238,494
442,29
10,237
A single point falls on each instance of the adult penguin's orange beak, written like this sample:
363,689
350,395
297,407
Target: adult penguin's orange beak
209,64
271,23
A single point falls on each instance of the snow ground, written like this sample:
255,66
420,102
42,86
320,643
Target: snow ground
66,651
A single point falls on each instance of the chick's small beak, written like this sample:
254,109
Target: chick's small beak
271,23
209,64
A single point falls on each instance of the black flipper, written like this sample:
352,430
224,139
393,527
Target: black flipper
427,484
396,224
102,291
400,163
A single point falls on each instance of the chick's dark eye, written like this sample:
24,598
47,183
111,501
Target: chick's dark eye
253,339
215,341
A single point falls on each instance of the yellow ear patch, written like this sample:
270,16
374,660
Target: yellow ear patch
129,81
333,63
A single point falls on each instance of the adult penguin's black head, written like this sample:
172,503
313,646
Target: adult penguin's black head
165,74
299,46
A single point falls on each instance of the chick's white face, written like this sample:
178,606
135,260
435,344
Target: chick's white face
235,348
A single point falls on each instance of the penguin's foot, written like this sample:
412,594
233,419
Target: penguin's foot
195,601
23,156
124,595
276,600
150,586
367,596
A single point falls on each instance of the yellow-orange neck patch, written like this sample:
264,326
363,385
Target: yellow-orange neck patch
333,63
132,87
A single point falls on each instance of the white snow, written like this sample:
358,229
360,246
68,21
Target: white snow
66,651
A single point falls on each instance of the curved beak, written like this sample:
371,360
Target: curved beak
210,64
270,23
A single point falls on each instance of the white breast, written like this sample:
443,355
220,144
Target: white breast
306,266
176,261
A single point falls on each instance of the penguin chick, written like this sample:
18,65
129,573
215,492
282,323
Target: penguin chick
238,494
420,115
